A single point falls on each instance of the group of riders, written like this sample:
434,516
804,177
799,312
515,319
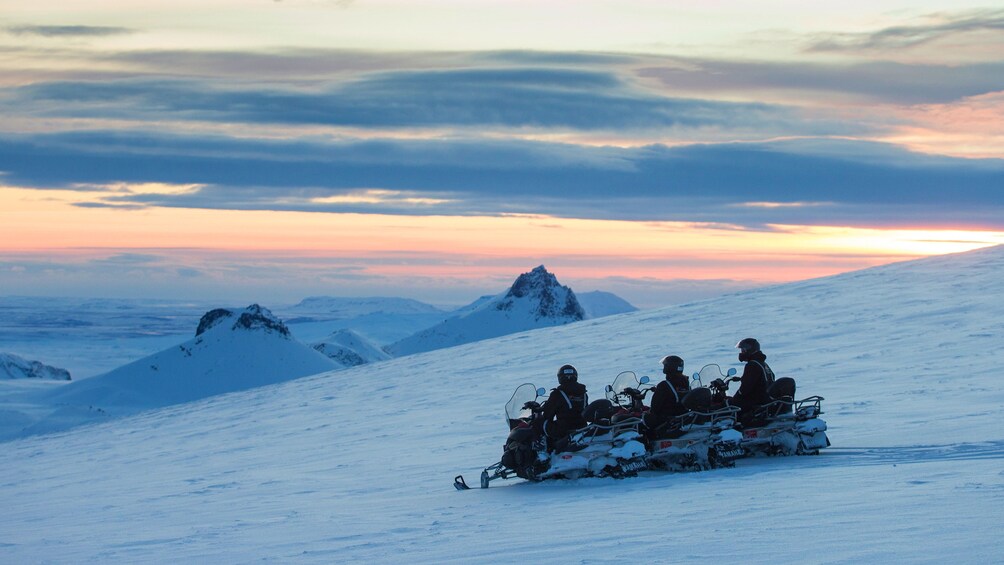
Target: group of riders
562,413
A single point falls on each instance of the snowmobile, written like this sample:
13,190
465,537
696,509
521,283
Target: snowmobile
699,439
600,449
624,399
783,426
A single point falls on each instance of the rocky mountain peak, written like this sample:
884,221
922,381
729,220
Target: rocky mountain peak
539,279
553,300
16,367
254,317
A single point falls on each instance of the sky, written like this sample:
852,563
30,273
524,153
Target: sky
271,150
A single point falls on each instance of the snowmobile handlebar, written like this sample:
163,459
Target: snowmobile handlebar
634,393
723,384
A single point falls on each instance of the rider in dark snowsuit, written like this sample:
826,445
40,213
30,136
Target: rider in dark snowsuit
562,412
667,398
757,377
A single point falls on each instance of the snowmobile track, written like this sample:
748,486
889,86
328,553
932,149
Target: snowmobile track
895,455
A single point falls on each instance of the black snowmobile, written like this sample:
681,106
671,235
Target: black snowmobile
600,449
782,426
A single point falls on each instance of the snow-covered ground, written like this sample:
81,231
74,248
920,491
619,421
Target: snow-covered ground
356,466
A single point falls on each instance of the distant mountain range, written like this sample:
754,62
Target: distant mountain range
239,349
335,307
403,326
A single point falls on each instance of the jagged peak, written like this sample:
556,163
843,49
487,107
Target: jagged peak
536,280
212,318
254,317
554,299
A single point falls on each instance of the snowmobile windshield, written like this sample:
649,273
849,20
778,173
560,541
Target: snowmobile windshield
524,393
627,379
707,374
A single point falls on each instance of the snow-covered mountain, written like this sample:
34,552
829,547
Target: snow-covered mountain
349,349
599,304
16,367
535,300
382,320
357,469
232,350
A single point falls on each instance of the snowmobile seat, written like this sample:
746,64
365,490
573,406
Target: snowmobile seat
599,411
783,389
782,395
697,400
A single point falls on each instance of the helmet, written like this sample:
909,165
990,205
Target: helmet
567,374
748,345
672,364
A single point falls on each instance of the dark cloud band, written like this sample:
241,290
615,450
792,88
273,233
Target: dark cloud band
537,98
851,183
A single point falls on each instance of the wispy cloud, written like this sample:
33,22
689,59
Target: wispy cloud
939,26
66,30
519,88
882,81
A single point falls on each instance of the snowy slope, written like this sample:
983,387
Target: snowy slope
598,304
232,350
535,300
349,349
358,469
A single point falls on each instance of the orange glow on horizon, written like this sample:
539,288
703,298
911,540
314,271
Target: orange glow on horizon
40,223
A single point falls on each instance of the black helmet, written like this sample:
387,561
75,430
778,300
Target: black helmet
672,364
567,374
748,345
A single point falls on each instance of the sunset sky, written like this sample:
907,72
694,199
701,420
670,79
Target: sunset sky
268,150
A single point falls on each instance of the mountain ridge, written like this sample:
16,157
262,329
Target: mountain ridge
534,300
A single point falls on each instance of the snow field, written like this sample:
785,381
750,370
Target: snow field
356,466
